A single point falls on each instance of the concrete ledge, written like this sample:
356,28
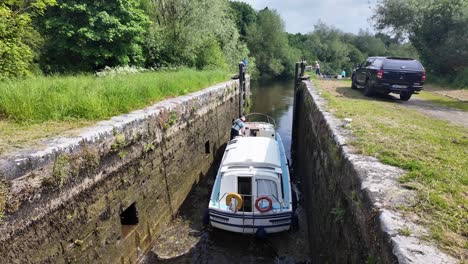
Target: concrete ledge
361,198
64,200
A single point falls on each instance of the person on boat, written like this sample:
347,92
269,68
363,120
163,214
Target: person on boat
238,127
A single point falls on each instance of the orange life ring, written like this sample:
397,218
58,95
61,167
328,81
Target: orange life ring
263,210
235,196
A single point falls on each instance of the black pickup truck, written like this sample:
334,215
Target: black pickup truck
404,76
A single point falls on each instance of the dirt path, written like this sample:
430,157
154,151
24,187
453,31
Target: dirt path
460,94
454,116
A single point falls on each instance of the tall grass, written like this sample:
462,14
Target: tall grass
60,98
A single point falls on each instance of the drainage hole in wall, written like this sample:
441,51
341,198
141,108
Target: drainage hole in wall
207,147
129,219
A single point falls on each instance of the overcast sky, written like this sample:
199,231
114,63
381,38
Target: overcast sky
301,15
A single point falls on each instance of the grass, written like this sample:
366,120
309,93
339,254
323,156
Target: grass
44,107
444,100
42,99
16,136
433,152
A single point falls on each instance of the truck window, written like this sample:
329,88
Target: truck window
378,63
368,62
395,64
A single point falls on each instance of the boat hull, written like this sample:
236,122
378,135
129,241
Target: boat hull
248,223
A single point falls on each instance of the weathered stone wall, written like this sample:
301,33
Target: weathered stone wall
351,200
64,201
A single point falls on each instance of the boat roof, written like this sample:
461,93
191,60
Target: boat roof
252,151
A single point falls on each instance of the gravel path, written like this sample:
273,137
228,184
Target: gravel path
454,116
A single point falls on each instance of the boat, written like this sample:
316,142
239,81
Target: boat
252,192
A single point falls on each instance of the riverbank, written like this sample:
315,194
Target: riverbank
105,194
431,151
44,107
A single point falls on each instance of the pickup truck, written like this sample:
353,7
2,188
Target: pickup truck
404,76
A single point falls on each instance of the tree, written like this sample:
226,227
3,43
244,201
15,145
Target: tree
268,41
244,16
18,39
436,28
87,35
191,33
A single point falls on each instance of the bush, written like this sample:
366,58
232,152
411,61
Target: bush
458,80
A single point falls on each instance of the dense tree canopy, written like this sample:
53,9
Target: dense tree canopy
87,35
268,42
18,39
197,33
244,16
436,28
337,51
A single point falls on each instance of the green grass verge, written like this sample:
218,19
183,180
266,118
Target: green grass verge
443,100
65,98
433,152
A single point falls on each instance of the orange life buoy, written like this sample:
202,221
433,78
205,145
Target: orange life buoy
266,209
235,196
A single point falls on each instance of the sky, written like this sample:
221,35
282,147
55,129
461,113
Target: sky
301,15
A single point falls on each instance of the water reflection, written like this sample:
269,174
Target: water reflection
275,98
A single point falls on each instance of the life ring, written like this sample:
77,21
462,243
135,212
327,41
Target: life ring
266,209
235,196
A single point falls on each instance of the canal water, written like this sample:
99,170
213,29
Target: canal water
187,240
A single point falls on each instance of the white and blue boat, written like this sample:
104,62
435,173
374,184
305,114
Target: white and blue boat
252,193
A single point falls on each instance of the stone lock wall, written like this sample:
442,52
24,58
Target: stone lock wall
351,200
64,201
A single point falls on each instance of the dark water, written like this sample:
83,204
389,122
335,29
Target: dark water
186,240
275,98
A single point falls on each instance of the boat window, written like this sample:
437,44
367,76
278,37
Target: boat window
244,188
265,168
268,188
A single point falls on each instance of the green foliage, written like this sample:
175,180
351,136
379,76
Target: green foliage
211,56
18,39
456,80
336,50
244,16
60,172
87,35
436,28
200,33
268,41
57,98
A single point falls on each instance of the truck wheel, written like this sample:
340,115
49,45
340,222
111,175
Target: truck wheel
369,89
405,96
353,83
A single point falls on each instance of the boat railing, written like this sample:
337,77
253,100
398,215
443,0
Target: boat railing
269,119
277,205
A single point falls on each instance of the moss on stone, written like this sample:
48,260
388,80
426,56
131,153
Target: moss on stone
60,172
3,198
119,142
173,116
